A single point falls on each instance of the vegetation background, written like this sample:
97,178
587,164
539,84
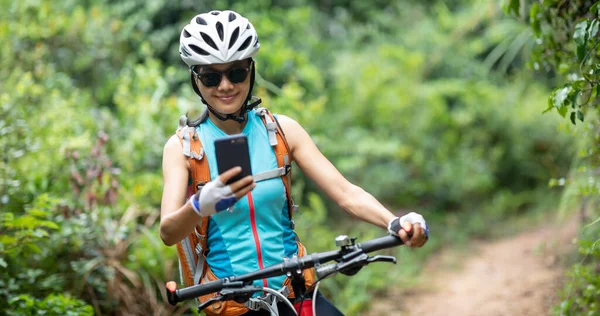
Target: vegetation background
434,106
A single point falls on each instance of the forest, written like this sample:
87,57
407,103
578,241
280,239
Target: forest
480,115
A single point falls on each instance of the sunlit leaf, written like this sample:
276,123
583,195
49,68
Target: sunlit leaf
580,35
559,96
593,29
49,224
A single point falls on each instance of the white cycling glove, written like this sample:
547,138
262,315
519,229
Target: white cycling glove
397,223
212,198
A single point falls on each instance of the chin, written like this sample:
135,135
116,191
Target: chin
227,108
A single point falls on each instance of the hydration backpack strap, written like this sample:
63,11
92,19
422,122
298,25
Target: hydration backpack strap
275,173
191,250
282,153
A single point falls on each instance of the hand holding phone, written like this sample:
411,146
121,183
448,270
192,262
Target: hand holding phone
216,196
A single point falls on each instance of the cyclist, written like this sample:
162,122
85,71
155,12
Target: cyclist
219,47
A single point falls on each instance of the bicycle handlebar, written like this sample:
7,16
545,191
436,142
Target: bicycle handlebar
344,254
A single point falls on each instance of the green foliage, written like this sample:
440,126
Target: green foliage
412,101
22,234
581,292
22,238
567,47
51,305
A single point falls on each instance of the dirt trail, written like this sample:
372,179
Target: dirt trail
519,275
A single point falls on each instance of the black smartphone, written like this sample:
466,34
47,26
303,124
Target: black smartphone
232,151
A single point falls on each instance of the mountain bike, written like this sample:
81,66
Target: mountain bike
348,259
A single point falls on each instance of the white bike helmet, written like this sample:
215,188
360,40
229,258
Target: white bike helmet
217,37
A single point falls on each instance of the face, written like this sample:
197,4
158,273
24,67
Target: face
226,96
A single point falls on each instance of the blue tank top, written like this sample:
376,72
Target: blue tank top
257,232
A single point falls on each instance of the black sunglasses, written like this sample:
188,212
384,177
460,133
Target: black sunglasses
213,78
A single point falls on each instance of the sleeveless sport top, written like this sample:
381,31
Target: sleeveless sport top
257,231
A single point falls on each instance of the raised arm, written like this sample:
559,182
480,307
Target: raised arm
348,196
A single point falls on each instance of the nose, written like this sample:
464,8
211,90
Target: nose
225,84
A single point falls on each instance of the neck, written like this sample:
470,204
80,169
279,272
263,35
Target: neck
230,127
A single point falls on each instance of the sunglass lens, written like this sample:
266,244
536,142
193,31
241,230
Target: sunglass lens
210,79
237,75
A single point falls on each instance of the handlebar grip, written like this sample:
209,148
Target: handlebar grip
380,243
172,293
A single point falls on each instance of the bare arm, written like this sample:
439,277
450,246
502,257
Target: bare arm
319,169
177,217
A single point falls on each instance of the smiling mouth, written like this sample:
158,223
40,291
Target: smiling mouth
227,97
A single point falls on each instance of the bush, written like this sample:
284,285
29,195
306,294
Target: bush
53,304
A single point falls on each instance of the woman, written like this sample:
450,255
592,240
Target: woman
257,231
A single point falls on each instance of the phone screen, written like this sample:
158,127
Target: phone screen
232,151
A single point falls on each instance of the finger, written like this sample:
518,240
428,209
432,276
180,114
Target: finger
225,176
404,233
417,233
242,192
408,228
241,183
421,235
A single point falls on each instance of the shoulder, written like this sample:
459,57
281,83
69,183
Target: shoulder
173,153
295,134
288,125
172,144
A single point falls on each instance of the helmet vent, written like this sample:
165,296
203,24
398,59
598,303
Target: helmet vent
245,44
231,17
199,50
219,27
185,52
215,12
186,34
201,21
208,40
248,26
234,37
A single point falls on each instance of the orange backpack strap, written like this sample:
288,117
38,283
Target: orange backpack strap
282,153
191,250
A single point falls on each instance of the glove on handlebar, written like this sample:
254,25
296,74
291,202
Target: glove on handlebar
212,198
396,224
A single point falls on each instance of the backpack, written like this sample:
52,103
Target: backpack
191,250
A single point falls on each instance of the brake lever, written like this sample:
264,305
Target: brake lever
380,258
239,295
353,266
